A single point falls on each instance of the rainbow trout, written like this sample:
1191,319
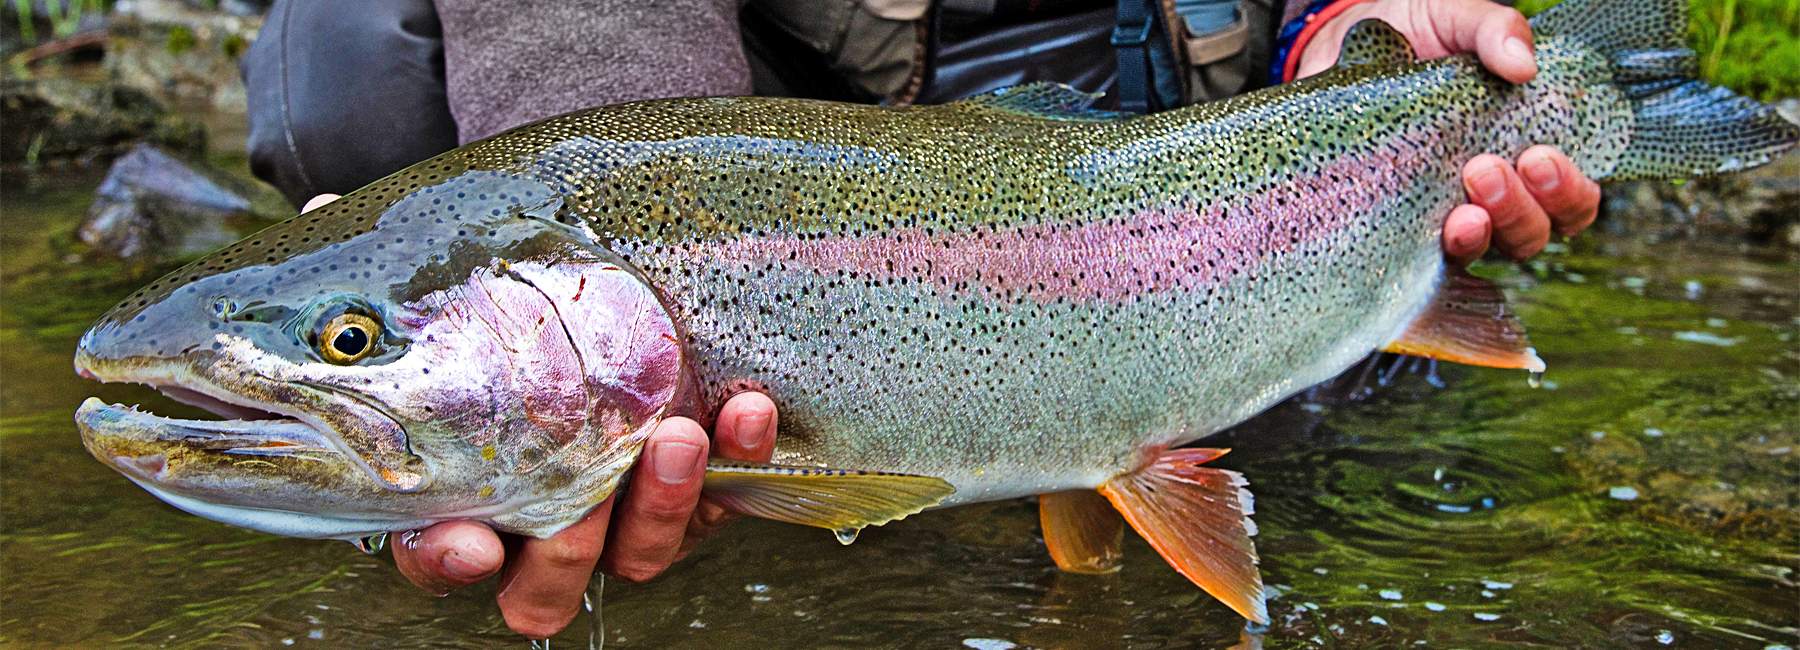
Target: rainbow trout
994,298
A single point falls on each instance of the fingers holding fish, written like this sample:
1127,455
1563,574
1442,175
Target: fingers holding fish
746,428
1568,197
1520,226
659,522
448,556
541,589
745,431
1498,35
1466,234
653,517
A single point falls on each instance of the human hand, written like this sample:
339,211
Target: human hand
1514,205
660,519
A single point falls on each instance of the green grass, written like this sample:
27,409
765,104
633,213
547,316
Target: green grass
1749,46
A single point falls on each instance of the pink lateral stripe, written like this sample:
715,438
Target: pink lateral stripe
1114,259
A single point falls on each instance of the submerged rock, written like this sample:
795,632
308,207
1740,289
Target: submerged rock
62,119
154,207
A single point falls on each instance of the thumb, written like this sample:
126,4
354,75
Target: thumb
1497,34
315,202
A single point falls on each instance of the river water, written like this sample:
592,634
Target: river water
1644,497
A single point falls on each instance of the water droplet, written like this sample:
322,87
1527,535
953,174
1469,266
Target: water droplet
410,539
846,535
371,544
1536,379
1665,637
540,644
989,644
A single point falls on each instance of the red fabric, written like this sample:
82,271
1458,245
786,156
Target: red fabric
1313,23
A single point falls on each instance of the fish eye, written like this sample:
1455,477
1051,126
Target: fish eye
348,338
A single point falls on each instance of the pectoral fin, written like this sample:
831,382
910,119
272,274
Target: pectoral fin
1082,531
842,501
1198,519
1468,322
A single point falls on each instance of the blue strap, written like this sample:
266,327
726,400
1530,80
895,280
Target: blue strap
1129,37
1284,39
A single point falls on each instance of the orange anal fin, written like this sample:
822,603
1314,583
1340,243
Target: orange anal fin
1468,322
1198,519
1082,531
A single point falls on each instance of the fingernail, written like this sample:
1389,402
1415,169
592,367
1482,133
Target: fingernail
462,567
753,430
1517,49
675,461
1467,244
1542,174
1489,184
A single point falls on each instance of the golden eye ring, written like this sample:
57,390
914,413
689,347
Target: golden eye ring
348,338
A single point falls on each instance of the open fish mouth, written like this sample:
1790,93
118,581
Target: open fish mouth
139,443
265,466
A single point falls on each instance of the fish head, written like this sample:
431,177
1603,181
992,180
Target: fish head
402,356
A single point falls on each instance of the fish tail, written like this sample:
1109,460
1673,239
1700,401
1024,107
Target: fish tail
1678,126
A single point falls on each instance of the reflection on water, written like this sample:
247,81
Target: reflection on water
1643,497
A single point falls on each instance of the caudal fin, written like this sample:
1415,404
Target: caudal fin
1680,127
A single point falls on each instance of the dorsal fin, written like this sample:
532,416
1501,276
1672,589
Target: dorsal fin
1373,42
1468,322
1047,100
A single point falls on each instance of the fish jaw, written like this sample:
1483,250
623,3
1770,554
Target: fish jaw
277,466
260,464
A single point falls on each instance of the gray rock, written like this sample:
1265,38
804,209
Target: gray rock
154,207
1760,207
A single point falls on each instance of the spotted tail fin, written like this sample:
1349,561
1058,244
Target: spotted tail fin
1679,127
